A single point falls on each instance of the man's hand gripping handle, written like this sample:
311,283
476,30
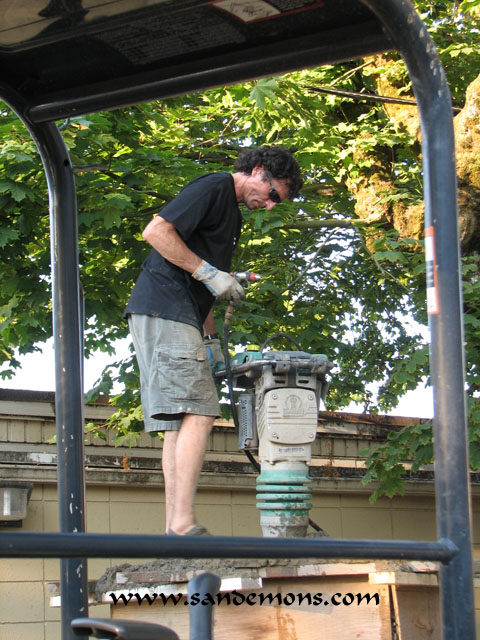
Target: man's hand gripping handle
220,283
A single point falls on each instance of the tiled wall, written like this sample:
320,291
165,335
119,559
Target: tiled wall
341,511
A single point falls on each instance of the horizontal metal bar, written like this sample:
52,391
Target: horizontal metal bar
97,545
312,50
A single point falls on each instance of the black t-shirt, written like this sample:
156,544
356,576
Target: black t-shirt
207,217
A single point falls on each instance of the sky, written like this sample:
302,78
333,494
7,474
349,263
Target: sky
38,374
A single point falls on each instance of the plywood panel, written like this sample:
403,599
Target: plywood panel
417,611
316,615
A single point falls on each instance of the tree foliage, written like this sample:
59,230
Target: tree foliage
342,271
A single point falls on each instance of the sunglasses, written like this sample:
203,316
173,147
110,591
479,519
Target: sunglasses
273,193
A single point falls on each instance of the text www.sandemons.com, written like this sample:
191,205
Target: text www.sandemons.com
237,598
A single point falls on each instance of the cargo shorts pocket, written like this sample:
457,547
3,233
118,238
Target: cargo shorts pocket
183,372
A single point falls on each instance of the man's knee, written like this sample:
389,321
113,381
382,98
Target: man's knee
192,422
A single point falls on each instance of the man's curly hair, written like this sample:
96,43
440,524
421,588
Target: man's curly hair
278,161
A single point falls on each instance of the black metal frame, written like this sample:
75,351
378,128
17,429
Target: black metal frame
453,547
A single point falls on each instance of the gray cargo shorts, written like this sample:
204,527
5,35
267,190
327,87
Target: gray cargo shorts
175,373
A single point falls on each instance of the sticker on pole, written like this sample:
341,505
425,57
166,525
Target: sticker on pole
431,267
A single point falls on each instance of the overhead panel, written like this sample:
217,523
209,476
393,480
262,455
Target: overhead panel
72,51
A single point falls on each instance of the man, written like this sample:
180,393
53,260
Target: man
170,311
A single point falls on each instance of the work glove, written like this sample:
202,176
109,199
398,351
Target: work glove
220,283
215,355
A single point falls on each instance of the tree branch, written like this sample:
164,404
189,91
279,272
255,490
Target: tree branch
320,224
309,265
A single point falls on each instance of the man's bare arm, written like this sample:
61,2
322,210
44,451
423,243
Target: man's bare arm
162,236
209,327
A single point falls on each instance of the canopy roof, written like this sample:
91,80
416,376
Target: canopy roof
68,57
60,58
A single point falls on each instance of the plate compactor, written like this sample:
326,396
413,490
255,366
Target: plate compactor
277,415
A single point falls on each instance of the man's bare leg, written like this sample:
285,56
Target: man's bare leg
168,467
190,447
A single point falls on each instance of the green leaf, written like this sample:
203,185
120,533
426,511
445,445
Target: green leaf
111,218
6,313
7,235
18,191
120,200
127,440
263,88
475,455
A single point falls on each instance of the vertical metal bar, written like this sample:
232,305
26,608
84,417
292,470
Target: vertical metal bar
444,307
68,339
67,332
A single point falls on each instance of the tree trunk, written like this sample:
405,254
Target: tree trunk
377,182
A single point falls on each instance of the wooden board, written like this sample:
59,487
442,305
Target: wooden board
404,579
295,618
417,613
